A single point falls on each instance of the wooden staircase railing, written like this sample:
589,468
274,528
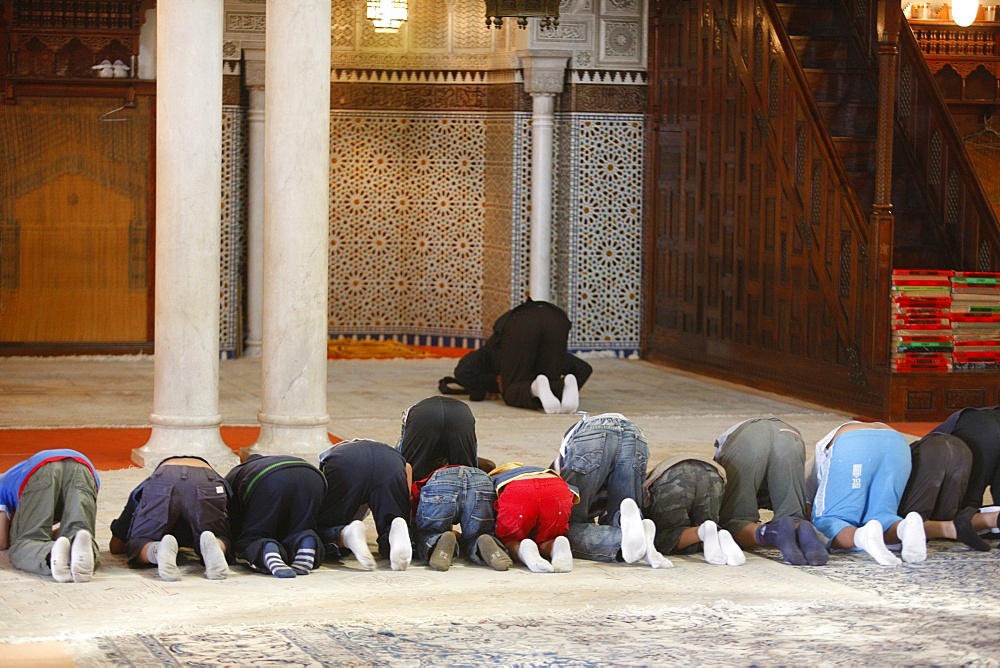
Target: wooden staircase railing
833,225
966,220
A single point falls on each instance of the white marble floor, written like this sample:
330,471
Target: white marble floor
679,412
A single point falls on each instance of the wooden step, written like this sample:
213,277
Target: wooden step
857,153
847,119
824,53
816,20
836,85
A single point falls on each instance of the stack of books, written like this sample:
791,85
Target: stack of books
975,320
921,324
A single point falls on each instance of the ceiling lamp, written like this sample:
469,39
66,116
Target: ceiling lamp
546,10
963,12
387,15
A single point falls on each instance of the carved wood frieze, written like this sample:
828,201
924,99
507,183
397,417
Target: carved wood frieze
66,39
952,50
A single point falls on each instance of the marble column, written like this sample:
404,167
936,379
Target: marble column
253,71
185,418
544,72
293,413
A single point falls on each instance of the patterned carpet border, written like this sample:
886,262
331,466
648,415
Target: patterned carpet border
945,611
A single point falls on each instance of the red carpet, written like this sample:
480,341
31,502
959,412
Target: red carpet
108,448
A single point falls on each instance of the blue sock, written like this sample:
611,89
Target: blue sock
305,556
811,544
781,534
274,563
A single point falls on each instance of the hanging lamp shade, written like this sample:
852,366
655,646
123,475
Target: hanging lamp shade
387,15
963,12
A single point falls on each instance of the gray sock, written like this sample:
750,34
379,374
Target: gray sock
216,567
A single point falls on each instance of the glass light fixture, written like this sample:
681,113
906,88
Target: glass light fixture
387,15
546,10
963,12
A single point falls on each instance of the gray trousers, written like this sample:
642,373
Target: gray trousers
687,494
62,491
764,461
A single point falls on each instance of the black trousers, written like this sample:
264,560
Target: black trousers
283,509
939,478
980,430
532,344
362,474
438,431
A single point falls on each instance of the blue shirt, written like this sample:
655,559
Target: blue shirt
12,482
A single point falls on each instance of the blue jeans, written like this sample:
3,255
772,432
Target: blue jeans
605,458
460,495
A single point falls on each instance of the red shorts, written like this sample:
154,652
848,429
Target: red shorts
536,508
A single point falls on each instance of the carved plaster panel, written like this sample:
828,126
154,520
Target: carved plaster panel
620,41
245,22
621,7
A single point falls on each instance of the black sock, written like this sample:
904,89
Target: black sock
781,534
813,548
274,563
965,533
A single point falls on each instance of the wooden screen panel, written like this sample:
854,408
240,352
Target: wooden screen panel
74,237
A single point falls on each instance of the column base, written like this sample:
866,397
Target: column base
166,442
300,441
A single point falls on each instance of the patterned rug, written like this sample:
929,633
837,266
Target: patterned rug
945,611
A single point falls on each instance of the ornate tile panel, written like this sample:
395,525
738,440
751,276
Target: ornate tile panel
406,224
604,254
596,226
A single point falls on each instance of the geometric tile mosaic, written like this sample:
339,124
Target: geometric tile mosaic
596,227
605,230
410,255
406,224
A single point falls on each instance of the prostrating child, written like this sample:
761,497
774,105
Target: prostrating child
51,487
183,503
532,516
364,475
683,494
859,473
272,514
604,457
462,495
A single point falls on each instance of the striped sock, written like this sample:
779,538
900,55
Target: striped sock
305,556
274,563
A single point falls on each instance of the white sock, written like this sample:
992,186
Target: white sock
734,555
528,553
911,531
870,539
59,558
81,560
540,388
570,401
562,555
400,547
164,555
709,534
216,567
633,533
355,537
653,556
